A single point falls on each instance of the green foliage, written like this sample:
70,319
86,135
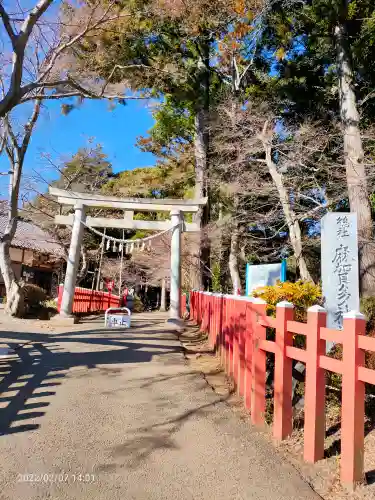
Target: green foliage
34,295
88,170
50,304
137,305
151,182
302,294
372,202
368,309
216,274
174,125
304,79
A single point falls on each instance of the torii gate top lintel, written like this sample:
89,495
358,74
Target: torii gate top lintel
138,204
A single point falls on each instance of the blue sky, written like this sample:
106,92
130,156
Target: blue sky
61,136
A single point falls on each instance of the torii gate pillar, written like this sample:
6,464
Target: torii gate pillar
73,262
175,290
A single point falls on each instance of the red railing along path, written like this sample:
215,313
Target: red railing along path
237,327
183,304
90,301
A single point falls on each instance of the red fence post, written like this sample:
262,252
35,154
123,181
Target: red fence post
209,320
258,399
59,297
183,305
353,401
236,341
215,309
76,301
204,313
314,431
249,347
283,410
230,337
200,310
241,346
223,331
220,324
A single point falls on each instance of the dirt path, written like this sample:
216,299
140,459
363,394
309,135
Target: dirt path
97,414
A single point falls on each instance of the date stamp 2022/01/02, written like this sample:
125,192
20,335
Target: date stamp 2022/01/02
62,477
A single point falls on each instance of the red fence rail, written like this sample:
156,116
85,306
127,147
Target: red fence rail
237,329
90,301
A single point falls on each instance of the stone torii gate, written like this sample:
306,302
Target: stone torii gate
176,208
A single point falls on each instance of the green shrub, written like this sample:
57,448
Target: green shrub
34,295
368,309
137,304
50,304
302,294
216,274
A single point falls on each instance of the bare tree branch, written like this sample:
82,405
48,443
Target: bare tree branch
64,46
19,43
7,25
47,53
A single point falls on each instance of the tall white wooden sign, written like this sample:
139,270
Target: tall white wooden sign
340,274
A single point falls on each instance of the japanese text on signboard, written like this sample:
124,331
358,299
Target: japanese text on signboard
342,266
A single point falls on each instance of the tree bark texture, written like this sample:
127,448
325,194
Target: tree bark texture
201,149
201,252
233,261
16,153
14,305
290,216
354,163
163,296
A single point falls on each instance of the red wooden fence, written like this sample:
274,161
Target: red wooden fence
90,301
236,327
183,304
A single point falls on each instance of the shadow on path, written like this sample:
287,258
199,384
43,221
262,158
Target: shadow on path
42,362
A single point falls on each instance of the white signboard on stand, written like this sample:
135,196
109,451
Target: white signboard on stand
340,269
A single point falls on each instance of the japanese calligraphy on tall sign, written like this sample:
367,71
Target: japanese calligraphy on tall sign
340,277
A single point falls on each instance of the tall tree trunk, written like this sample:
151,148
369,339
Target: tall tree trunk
233,260
201,252
5,261
84,265
290,216
354,163
163,297
16,153
98,278
15,299
200,151
235,233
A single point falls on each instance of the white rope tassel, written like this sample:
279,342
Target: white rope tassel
114,248
121,246
129,245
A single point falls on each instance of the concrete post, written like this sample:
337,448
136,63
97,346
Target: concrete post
163,298
175,292
73,262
